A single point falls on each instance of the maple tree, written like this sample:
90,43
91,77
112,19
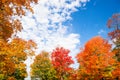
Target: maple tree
8,9
42,67
96,60
114,23
12,57
61,62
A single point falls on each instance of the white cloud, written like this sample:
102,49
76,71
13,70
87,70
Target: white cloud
46,26
101,31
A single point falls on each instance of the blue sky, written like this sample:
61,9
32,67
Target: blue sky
67,23
91,20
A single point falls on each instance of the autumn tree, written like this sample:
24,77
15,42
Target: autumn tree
8,9
96,60
42,67
114,24
7,67
12,57
61,62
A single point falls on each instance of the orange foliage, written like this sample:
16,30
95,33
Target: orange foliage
9,8
96,59
116,72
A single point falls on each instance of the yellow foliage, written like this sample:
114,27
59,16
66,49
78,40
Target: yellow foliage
12,57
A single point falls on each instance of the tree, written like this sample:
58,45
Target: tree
7,67
96,60
12,56
20,50
114,23
61,62
42,67
9,8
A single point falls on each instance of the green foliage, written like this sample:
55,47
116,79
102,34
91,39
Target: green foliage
42,67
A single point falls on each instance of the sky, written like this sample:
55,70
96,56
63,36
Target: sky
67,23
91,20
49,27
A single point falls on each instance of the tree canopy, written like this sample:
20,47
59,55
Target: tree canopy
96,59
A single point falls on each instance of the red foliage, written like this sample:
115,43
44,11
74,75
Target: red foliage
114,23
60,58
61,61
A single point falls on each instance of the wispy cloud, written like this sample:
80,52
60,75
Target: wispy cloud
101,32
46,26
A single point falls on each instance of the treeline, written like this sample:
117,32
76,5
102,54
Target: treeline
96,62
97,59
